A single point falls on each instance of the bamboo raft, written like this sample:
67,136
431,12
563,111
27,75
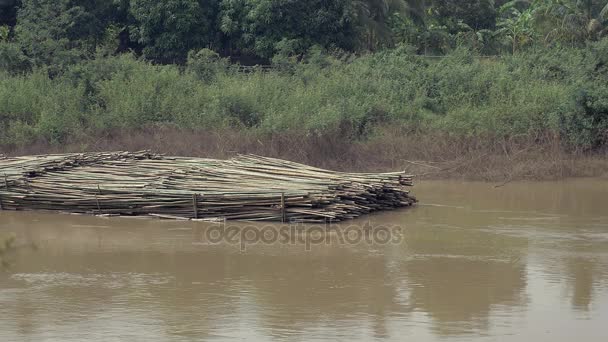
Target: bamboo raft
247,187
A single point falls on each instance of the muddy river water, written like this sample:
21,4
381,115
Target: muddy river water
523,262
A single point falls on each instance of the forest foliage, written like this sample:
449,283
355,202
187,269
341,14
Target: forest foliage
470,68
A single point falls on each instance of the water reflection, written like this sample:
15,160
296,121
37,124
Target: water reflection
581,272
464,305
490,267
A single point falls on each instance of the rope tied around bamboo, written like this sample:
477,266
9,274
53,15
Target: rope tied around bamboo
246,187
195,205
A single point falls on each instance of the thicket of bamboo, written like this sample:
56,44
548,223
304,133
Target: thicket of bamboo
246,187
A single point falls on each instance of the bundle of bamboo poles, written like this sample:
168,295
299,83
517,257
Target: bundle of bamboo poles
251,188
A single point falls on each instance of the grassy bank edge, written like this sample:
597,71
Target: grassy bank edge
429,156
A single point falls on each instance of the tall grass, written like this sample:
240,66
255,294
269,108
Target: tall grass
534,95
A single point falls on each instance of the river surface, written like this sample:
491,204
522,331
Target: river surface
523,262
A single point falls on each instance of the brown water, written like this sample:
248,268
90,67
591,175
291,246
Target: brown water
525,262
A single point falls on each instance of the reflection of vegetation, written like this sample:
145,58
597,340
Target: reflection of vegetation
581,274
459,293
6,246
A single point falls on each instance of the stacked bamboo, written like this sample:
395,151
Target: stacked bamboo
249,188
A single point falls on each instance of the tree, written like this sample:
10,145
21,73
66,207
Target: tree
52,33
572,21
516,25
377,19
373,18
107,20
476,14
12,59
557,21
265,27
169,29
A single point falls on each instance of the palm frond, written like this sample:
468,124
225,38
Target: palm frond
604,13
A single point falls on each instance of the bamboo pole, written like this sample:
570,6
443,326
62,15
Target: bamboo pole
195,206
98,205
283,207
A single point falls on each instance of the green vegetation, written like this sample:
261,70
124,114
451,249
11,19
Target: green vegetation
559,92
75,68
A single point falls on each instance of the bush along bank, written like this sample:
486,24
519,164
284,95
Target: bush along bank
547,97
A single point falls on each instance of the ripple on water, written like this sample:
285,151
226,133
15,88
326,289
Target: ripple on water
110,280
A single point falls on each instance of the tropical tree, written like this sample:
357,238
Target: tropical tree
436,26
516,26
572,21
374,19
169,29
108,23
53,32
474,14
267,27
555,21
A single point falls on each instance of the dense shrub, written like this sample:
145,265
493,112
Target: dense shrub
206,64
560,92
13,60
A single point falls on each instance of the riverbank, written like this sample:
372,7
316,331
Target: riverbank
544,97
429,156
534,115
